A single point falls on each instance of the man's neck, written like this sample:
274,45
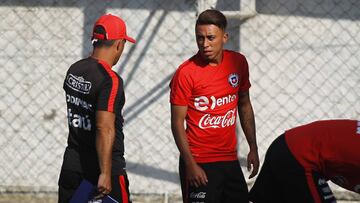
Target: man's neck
217,60
102,55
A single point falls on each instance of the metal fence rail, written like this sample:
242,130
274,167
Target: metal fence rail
303,57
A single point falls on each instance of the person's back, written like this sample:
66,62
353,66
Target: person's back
331,147
85,95
95,98
299,163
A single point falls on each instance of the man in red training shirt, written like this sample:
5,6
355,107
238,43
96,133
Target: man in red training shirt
299,163
207,91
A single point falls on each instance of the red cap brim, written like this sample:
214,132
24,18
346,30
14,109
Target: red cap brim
132,40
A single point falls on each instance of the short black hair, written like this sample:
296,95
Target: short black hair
212,16
97,43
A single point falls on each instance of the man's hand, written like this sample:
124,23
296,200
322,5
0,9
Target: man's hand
196,176
253,162
104,184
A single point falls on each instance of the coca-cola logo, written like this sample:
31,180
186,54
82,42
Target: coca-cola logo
209,121
199,195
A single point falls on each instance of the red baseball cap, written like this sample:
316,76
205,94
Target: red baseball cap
114,27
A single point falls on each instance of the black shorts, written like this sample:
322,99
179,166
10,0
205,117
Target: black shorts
283,180
70,180
226,184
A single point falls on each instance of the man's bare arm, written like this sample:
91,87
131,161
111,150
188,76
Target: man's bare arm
105,136
196,176
247,121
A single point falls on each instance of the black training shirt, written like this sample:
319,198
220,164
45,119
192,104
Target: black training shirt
90,85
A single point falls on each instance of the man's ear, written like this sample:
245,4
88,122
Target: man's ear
225,37
118,45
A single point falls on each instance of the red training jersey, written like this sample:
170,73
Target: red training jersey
211,95
331,147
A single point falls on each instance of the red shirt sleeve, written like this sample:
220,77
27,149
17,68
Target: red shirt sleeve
180,88
244,80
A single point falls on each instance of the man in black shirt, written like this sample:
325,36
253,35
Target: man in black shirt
95,98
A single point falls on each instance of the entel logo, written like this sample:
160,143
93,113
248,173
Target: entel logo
202,103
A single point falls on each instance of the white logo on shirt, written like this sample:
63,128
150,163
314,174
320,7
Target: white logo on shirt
358,128
321,181
202,103
95,201
208,121
78,102
79,121
78,83
199,195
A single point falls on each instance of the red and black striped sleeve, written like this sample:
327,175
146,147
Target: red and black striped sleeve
110,90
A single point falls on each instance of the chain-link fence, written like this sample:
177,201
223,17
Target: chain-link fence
304,58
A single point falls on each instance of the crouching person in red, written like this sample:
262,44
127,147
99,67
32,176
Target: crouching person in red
299,163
